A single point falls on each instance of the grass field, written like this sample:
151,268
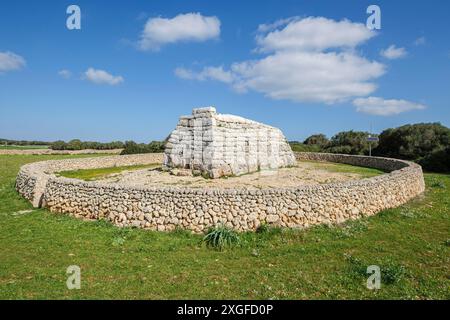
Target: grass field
410,244
3,147
99,173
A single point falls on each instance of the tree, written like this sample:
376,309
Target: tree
317,139
74,144
350,142
413,141
58,145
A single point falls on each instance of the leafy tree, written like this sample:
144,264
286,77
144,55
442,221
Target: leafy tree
74,144
413,141
350,142
317,139
58,145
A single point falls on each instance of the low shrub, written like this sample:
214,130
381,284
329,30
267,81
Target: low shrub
437,161
221,237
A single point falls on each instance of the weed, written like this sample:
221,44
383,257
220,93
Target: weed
221,237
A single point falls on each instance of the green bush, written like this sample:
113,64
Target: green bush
317,140
221,237
132,147
437,161
414,141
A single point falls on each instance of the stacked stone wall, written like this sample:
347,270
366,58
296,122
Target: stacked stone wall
166,208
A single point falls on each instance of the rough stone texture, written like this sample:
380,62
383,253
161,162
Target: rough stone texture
51,151
32,178
222,145
165,208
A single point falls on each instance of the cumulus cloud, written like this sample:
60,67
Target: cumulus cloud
304,76
64,73
10,61
184,27
313,33
392,52
207,73
382,107
102,77
309,59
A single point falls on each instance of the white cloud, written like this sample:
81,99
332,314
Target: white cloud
184,27
64,73
102,77
305,76
381,107
10,61
420,41
279,23
313,33
207,73
298,66
392,52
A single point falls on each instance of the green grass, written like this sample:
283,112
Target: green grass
410,244
100,173
10,147
345,168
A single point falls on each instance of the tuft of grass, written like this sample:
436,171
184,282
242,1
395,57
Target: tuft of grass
221,237
437,184
391,272
263,228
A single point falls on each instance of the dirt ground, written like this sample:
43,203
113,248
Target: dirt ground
304,173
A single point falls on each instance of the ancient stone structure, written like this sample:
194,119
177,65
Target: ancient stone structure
165,208
218,145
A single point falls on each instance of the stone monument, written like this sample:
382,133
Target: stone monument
216,145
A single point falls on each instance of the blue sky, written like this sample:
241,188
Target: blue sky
296,65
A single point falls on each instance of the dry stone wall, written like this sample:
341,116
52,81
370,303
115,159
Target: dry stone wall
165,208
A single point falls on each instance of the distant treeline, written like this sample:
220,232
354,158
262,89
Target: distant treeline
129,147
426,143
132,147
8,142
76,144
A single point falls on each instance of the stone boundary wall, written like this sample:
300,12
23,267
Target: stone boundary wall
32,178
165,208
56,152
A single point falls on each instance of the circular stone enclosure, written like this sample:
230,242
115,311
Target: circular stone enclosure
196,209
